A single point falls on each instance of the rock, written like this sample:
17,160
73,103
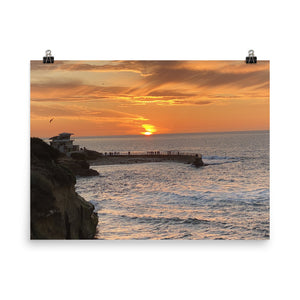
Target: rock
198,162
78,156
57,211
78,167
92,155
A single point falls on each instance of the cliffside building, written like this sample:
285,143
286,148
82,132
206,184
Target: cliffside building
63,143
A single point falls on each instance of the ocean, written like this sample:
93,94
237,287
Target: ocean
227,199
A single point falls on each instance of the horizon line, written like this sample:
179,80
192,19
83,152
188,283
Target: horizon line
160,134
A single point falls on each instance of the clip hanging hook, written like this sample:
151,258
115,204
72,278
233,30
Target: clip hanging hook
250,52
48,59
48,52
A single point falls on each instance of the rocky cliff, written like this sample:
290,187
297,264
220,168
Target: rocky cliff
79,167
57,211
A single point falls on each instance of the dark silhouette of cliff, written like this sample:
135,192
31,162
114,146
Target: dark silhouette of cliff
57,211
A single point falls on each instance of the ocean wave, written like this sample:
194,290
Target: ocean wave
218,157
217,160
164,220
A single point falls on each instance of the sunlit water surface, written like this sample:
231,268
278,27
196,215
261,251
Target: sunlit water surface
228,199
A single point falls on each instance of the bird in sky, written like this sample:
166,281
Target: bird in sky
51,120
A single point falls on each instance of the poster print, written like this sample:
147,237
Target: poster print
150,150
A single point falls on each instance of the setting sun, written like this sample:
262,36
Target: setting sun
149,129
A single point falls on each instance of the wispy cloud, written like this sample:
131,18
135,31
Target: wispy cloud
76,112
159,86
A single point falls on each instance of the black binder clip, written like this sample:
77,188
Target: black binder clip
251,59
48,59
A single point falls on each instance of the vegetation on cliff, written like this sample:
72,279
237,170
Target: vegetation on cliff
57,211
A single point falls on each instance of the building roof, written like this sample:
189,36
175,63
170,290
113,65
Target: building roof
61,136
66,133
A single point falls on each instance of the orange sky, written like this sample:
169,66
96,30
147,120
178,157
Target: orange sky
96,98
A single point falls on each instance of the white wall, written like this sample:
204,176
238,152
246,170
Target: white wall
149,30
